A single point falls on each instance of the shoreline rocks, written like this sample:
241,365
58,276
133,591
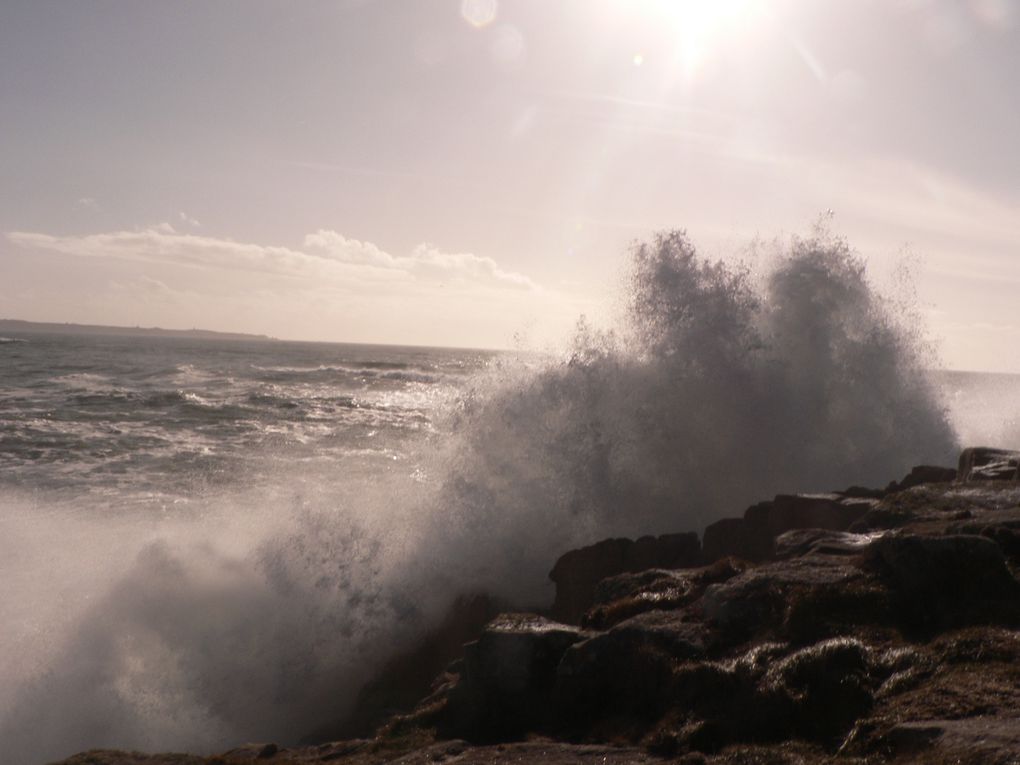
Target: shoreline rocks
858,627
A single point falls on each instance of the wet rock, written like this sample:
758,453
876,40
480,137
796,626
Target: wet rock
655,590
827,687
578,572
809,511
113,757
1002,527
507,678
620,597
863,492
922,474
738,538
756,601
985,740
628,669
941,581
752,537
795,544
984,464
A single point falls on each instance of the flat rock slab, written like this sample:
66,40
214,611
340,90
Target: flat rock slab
539,752
986,740
114,757
549,752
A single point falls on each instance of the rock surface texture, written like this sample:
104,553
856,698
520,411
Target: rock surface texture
860,627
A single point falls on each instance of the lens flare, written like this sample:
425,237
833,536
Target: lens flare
479,13
696,26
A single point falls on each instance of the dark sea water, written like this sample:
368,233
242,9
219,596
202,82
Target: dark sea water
205,542
159,421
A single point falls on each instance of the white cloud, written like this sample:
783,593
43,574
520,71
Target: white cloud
185,218
338,247
426,262
326,257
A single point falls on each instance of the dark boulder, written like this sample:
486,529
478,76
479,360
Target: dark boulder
810,511
825,688
757,601
752,537
985,740
795,544
942,581
981,463
506,678
737,538
625,595
627,670
922,474
578,572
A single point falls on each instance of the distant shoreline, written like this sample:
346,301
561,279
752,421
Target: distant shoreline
43,327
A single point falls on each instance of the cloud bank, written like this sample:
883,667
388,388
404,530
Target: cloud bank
326,287
325,256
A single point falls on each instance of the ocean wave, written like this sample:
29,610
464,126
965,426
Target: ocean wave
89,382
263,618
363,371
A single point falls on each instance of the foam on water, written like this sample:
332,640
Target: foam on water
256,613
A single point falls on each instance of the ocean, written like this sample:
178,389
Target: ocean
153,423
204,542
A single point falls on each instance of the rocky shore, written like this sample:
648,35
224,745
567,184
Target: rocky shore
862,626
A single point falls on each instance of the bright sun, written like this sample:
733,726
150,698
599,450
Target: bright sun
698,25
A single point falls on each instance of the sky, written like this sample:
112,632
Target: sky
473,172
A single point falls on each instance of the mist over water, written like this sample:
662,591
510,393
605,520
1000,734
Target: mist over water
258,611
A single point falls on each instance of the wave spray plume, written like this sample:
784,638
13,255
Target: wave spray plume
720,388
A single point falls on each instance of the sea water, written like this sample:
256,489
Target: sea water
204,542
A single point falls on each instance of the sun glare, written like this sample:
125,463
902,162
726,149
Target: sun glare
697,26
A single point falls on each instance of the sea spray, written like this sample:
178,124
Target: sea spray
718,391
260,615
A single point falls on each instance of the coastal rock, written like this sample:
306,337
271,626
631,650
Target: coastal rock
757,601
1002,527
982,463
739,538
507,678
627,669
891,641
939,581
752,537
625,595
827,686
795,544
985,740
113,757
578,572
971,677
808,511
922,474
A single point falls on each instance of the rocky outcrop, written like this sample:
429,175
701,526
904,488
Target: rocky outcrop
752,536
837,641
506,678
578,572
984,464
861,627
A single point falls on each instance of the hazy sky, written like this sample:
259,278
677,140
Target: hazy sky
447,172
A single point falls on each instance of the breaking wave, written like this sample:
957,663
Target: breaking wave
259,615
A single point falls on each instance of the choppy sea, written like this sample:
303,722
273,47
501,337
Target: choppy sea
158,422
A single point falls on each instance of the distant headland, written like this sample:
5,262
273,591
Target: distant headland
16,326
